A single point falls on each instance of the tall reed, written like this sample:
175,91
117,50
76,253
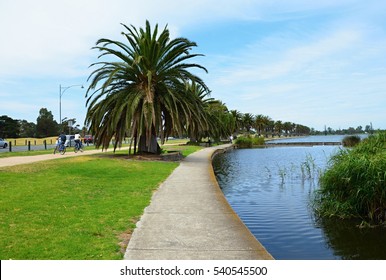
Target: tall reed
354,184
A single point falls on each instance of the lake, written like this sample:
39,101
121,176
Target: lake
271,190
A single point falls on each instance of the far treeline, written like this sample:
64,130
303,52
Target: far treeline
247,123
45,126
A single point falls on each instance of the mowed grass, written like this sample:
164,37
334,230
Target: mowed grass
74,208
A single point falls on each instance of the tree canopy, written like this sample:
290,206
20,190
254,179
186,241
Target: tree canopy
142,90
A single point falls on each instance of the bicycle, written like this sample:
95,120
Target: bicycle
78,147
61,148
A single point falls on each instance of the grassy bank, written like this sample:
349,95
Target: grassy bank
79,208
354,185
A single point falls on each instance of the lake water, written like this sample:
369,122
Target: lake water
271,190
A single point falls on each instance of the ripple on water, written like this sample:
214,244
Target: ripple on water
267,189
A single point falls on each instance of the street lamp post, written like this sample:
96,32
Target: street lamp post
62,90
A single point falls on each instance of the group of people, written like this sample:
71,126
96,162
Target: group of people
62,139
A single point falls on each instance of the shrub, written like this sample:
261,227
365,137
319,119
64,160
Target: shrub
258,141
351,141
249,142
244,142
354,184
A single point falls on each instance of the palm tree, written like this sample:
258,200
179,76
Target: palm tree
221,124
143,94
248,121
238,121
278,127
287,126
260,122
198,126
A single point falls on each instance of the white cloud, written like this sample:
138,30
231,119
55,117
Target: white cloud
320,48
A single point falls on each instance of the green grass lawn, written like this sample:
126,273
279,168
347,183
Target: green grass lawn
74,208
168,146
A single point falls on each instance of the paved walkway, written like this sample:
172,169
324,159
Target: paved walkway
189,218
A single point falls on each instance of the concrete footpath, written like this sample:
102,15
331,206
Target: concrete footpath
189,219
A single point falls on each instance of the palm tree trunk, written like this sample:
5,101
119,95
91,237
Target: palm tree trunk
153,147
135,144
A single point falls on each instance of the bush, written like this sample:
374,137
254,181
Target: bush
354,184
249,142
351,141
258,141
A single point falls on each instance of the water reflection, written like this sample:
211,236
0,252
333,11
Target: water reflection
348,241
270,189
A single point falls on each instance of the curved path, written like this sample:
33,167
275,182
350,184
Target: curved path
189,218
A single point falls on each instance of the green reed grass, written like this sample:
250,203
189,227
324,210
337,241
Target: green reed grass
354,184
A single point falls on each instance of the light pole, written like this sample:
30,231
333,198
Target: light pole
62,90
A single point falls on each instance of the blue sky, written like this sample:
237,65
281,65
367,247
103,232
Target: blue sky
314,63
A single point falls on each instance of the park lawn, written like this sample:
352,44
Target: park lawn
74,208
176,144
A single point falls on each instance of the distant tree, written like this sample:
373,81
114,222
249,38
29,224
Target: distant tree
45,124
9,128
350,130
359,129
27,129
302,129
248,121
278,127
221,121
287,126
260,123
238,121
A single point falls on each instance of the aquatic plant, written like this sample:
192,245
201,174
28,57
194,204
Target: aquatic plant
354,184
282,174
306,171
309,168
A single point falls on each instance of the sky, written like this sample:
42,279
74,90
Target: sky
315,63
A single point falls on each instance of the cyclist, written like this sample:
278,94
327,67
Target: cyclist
60,143
62,138
78,144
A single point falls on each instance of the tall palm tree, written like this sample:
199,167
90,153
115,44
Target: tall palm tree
221,122
260,122
248,121
287,126
238,121
142,93
278,127
198,126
